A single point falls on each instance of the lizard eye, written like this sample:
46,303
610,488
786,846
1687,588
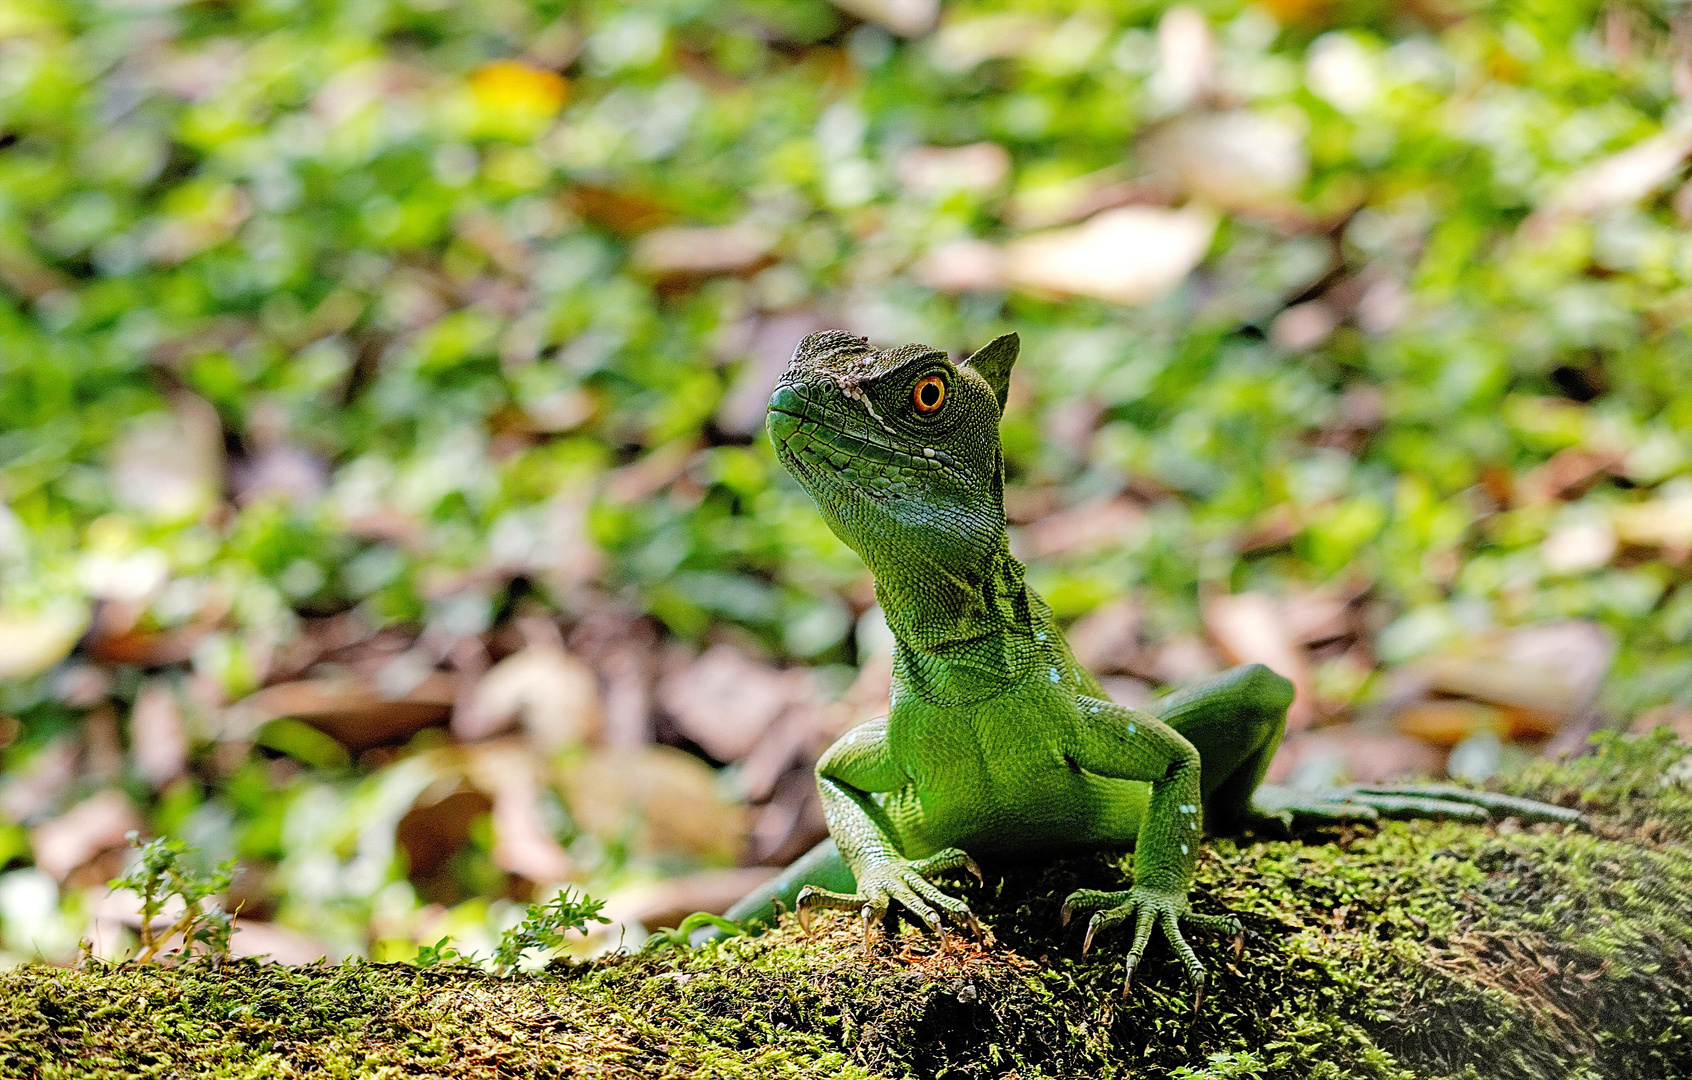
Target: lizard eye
929,394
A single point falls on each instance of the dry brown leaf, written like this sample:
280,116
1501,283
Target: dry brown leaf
1095,525
681,252
962,266
725,700
1304,326
658,469
1550,669
1134,693
169,465
1621,179
29,792
1448,721
97,824
102,746
158,740
1182,660
1186,57
1251,628
963,43
1360,756
33,641
1664,521
1108,638
1129,255
619,211
768,344
790,824
523,844
1068,201
787,743
659,799
437,825
82,686
936,170
551,693
276,943
1677,718
907,18
1271,528
143,646
1238,160
1566,474
1314,615
350,709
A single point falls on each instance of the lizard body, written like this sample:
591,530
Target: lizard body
997,741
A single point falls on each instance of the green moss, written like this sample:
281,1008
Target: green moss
1422,949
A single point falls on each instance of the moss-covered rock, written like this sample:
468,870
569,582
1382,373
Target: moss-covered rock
1421,949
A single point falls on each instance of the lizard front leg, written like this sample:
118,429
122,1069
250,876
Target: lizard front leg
859,765
1126,745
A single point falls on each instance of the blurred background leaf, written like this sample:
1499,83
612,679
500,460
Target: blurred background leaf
383,495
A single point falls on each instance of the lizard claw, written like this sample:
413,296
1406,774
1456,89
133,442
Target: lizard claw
896,881
974,868
1128,974
1149,910
972,924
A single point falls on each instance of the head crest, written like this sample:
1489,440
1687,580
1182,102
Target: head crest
993,362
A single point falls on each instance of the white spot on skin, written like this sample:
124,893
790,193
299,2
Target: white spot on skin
927,451
863,399
1054,674
1130,728
1183,849
1040,636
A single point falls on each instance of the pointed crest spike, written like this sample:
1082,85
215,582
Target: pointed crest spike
993,362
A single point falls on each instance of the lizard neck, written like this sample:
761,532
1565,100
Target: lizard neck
962,637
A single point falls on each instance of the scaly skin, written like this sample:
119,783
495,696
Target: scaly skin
998,741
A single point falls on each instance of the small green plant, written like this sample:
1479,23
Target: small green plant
670,937
545,925
441,953
161,872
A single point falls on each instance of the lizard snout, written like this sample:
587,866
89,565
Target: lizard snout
787,406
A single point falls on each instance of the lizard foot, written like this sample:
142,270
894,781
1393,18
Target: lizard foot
1149,908
904,880
1367,802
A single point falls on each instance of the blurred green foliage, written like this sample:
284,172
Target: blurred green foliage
310,307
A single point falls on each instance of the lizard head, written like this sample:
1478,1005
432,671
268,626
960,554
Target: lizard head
898,447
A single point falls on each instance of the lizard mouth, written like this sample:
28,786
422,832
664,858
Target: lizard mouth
814,441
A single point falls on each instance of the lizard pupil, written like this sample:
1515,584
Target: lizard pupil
929,394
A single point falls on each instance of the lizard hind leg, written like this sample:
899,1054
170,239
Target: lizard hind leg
1450,800
1291,808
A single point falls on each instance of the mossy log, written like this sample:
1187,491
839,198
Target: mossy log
1420,949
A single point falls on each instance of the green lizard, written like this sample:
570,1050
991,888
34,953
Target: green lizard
997,740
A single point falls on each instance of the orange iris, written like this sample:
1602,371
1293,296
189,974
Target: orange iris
929,394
